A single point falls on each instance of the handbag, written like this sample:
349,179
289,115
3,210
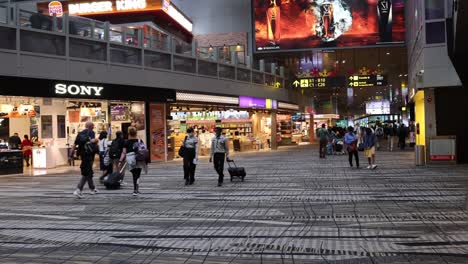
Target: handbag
183,149
352,147
361,147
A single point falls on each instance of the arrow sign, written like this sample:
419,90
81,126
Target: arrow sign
296,83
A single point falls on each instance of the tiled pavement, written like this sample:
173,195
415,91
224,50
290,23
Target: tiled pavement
292,208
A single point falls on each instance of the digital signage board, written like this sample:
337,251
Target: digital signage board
281,25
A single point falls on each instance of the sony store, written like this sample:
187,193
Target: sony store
53,112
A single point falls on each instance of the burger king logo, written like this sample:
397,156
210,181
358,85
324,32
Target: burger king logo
55,7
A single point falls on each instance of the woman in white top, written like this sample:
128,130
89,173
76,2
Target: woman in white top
103,149
190,156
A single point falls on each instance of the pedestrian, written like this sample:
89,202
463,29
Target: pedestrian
103,152
26,146
323,136
129,154
369,148
412,134
379,133
391,136
190,156
219,151
115,152
14,142
351,141
87,149
402,136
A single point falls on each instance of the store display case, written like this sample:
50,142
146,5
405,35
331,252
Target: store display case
11,162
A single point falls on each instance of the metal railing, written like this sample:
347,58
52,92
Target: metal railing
83,38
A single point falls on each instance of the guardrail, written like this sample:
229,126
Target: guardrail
83,38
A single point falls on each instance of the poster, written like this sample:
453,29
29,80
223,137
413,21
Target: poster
306,24
157,126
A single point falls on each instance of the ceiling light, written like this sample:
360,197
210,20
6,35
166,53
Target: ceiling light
388,53
378,65
344,61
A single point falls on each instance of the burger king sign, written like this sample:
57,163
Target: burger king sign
55,7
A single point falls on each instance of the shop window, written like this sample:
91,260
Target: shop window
435,9
61,126
46,123
435,32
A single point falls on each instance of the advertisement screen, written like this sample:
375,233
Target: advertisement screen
306,24
378,107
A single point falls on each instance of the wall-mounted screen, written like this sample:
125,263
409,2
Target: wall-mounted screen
306,24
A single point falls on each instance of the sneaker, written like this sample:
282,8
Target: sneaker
369,167
135,193
186,182
123,183
93,192
374,167
220,184
78,194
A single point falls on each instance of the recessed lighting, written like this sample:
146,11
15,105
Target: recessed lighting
344,61
378,65
388,53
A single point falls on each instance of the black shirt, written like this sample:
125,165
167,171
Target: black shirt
129,145
14,142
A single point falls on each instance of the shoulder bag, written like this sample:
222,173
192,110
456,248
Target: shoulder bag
183,149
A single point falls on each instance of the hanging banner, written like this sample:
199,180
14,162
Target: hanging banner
157,130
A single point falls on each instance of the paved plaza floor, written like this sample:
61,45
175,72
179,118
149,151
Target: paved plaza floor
292,208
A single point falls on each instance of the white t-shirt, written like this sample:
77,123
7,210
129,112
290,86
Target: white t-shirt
103,145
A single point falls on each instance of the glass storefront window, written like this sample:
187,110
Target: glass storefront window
435,9
46,123
61,132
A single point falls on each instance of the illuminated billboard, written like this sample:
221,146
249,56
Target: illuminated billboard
306,24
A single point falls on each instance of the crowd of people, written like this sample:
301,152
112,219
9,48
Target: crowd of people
122,154
335,140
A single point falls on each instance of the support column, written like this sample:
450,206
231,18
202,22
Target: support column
274,131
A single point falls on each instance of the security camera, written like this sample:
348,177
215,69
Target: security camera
420,73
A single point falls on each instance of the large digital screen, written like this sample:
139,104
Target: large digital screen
381,107
306,24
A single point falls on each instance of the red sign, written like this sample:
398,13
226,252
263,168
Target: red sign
157,130
443,157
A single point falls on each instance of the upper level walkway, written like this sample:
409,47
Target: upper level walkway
81,49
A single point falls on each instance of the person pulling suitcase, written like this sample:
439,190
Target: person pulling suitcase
219,152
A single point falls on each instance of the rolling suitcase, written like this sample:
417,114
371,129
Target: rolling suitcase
235,171
114,180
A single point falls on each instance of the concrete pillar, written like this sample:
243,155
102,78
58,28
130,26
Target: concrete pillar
194,48
234,58
311,129
273,68
261,65
282,71
274,131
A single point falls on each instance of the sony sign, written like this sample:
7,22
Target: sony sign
74,89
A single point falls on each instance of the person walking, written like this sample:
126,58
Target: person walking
26,146
390,137
129,154
190,156
323,136
369,148
379,133
115,152
87,149
402,136
351,141
219,151
103,152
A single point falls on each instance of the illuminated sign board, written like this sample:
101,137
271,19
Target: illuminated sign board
75,89
254,102
320,82
367,80
297,25
55,7
380,107
173,12
98,7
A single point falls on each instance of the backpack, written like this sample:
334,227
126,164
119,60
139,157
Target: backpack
141,152
379,132
85,147
115,151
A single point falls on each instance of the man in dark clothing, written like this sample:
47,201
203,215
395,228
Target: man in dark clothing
87,148
403,132
14,142
323,138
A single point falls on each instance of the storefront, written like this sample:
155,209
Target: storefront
288,132
53,112
246,121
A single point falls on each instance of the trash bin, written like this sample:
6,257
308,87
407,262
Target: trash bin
420,155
